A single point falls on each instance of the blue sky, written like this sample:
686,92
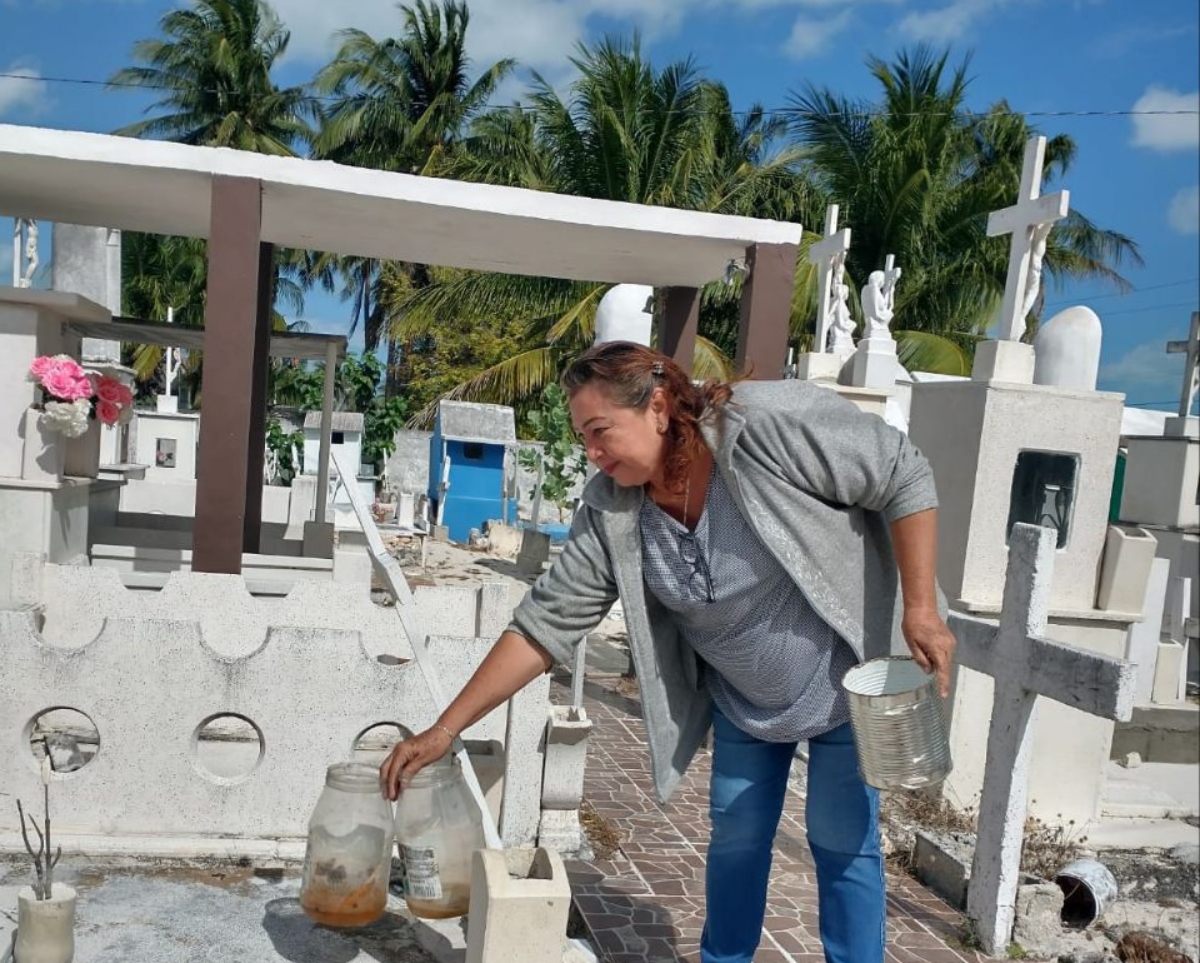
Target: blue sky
1082,65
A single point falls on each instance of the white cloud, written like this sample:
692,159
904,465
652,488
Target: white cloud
810,36
1167,131
23,92
1183,213
1145,369
949,23
540,34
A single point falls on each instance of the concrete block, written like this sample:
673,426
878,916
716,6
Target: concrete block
874,364
524,762
1168,733
1168,668
1125,569
1037,928
943,863
1008,361
520,900
43,452
535,552
561,831
353,568
567,732
818,366
495,610
318,540
1143,639
405,510
1161,477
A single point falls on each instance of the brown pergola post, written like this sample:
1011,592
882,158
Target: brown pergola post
256,439
766,308
237,337
678,325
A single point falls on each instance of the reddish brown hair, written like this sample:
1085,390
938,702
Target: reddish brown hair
630,372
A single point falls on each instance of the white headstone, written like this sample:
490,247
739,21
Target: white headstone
87,260
830,257
1068,350
626,313
1029,222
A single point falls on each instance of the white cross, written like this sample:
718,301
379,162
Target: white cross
830,257
891,274
173,361
1024,665
1190,349
1028,221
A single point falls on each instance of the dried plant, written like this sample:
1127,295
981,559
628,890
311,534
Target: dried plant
43,861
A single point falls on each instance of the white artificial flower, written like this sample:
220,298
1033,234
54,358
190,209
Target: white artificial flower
69,418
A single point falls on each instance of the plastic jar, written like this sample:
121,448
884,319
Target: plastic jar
348,859
438,827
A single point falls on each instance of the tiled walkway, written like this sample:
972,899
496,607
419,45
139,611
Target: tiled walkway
646,903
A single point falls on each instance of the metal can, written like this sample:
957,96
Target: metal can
899,724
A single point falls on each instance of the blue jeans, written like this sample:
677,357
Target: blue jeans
749,780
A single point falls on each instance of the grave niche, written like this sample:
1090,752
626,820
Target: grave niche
1043,492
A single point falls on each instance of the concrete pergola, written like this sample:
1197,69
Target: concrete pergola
246,204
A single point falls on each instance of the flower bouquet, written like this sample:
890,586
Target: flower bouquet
72,397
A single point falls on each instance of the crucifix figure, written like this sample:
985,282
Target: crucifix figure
25,257
172,359
829,255
879,299
1190,349
1029,222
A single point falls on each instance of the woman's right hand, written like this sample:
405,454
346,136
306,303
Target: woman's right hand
410,757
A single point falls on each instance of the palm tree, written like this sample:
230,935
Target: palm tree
165,275
397,104
916,176
213,73
625,132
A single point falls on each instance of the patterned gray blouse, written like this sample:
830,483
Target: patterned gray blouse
773,666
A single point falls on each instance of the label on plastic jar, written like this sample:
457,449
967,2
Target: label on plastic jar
421,877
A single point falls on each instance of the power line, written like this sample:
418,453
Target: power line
1126,294
1152,307
771,111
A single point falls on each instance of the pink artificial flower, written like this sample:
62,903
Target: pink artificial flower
41,365
109,389
67,365
64,384
126,395
108,412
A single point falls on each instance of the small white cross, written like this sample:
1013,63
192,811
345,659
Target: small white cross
1028,221
830,257
1190,349
1025,665
891,274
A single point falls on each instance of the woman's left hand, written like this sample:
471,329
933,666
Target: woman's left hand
931,643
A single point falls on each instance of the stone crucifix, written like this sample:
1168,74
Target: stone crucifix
1190,349
829,254
1029,222
25,251
172,361
1024,665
